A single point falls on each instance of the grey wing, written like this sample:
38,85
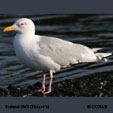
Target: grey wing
62,52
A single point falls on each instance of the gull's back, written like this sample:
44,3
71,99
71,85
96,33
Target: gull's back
64,52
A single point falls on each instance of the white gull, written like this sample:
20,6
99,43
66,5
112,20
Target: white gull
49,54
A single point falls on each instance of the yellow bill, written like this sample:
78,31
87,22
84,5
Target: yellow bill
10,28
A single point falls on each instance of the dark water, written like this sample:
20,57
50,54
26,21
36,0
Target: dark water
94,31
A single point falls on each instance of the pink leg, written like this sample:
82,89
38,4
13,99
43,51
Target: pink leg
50,84
43,84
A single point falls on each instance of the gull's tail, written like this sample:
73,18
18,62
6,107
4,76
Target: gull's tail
101,57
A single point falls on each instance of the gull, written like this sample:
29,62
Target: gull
49,54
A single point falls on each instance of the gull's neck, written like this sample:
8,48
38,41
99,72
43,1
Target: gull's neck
24,38
27,37
26,33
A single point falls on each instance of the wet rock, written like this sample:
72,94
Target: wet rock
93,86
13,91
3,92
37,84
30,88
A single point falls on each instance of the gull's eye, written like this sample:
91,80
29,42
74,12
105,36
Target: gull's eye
22,24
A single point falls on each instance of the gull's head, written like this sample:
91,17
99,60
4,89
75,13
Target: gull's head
22,25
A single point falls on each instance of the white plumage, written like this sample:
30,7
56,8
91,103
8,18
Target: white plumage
49,54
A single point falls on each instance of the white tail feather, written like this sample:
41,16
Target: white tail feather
103,54
96,49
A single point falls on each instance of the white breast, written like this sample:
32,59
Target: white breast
23,49
27,51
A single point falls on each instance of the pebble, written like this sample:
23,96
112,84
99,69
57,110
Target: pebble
98,86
